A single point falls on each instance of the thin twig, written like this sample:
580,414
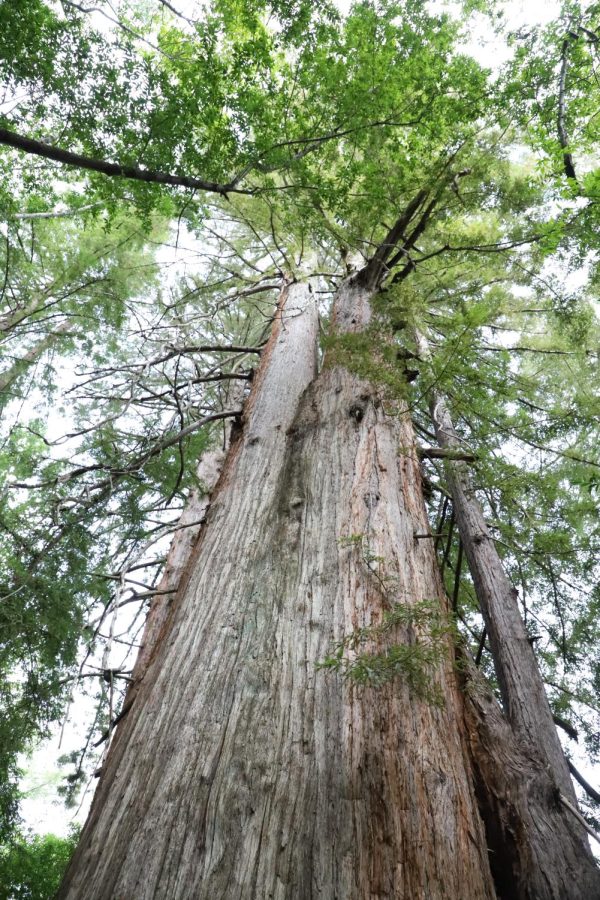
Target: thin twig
578,816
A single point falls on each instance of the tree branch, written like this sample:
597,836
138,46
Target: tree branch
114,170
137,463
562,131
578,816
566,727
590,791
445,453
376,266
58,214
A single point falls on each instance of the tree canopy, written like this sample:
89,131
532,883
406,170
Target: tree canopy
163,170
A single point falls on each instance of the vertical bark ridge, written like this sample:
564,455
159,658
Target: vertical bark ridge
208,472
147,750
521,684
182,544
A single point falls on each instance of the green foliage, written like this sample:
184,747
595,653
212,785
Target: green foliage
373,357
425,631
334,123
32,866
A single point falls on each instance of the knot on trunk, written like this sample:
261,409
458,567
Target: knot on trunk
359,407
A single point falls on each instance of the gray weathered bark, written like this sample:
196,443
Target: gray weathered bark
242,771
540,850
11,319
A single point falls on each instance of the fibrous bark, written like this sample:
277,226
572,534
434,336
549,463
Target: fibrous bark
243,771
208,472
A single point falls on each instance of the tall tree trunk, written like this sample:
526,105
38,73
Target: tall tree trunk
540,850
243,771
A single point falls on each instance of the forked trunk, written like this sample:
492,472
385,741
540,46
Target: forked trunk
243,771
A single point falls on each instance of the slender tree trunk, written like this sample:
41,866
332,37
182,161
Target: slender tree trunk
180,550
243,771
9,321
539,848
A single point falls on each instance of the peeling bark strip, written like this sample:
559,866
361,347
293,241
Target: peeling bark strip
241,770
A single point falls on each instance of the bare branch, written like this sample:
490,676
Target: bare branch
58,214
114,170
137,463
579,817
445,453
590,791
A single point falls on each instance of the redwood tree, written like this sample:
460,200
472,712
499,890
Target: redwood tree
306,718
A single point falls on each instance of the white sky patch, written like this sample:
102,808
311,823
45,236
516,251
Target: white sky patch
486,47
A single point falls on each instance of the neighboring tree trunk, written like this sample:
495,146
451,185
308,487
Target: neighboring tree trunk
23,312
243,771
180,550
538,851
539,848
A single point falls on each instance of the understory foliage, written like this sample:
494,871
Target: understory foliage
31,867
134,308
